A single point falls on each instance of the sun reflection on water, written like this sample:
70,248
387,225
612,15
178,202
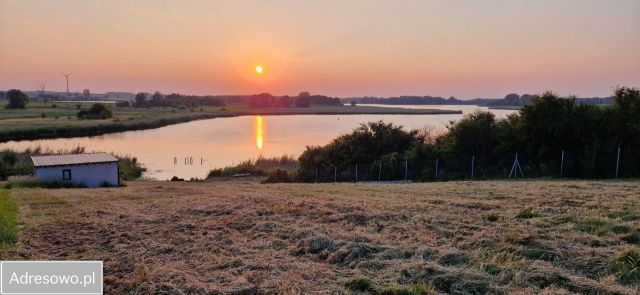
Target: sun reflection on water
259,133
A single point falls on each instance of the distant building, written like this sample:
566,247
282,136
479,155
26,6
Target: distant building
91,170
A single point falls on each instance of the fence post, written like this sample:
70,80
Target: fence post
618,162
562,163
380,172
356,173
316,175
437,167
405,170
473,161
335,174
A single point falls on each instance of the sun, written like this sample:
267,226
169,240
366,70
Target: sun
259,69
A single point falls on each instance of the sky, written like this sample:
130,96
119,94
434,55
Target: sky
461,48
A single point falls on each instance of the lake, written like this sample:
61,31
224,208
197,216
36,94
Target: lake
192,149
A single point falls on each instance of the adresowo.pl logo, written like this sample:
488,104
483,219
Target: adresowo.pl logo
51,277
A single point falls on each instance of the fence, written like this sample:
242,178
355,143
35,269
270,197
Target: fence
586,164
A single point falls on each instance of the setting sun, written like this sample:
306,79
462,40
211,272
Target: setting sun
259,69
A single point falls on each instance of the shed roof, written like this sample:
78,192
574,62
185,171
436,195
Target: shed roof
75,159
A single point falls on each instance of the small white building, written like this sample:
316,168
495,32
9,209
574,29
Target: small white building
90,170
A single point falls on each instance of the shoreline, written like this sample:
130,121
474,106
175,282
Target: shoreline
116,127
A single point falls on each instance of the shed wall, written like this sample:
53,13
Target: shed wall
90,175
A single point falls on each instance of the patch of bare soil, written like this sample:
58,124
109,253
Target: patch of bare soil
493,237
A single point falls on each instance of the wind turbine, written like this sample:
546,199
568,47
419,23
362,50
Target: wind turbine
67,76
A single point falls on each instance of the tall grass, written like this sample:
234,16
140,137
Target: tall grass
8,220
259,167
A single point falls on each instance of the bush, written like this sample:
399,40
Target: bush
97,111
129,168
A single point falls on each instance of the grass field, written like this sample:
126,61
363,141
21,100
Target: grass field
492,237
46,121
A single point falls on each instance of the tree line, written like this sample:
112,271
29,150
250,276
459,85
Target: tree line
542,132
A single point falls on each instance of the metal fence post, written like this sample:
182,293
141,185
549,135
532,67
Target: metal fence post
473,161
316,175
380,172
335,174
356,173
562,163
405,170
437,167
618,163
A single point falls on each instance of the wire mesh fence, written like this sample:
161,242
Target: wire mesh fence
585,164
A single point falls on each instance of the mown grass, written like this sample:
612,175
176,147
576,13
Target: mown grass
421,238
363,285
8,220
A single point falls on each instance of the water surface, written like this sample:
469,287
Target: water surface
192,149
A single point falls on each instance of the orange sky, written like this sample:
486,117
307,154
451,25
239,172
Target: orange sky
342,48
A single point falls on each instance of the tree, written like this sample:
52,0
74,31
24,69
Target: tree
366,144
473,135
86,94
262,100
283,102
303,101
141,100
17,99
157,99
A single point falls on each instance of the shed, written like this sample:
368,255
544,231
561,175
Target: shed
90,170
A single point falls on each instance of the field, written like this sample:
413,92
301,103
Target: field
46,121
492,237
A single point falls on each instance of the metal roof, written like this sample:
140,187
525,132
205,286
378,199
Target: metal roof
75,159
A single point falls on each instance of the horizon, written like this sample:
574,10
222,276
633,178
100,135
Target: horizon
463,49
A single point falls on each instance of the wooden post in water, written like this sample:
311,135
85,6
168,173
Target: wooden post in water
618,163
380,172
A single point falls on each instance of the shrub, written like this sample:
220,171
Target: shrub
129,168
97,111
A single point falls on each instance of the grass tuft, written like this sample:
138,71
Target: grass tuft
627,266
527,213
601,227
368,286
360,284
8,220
